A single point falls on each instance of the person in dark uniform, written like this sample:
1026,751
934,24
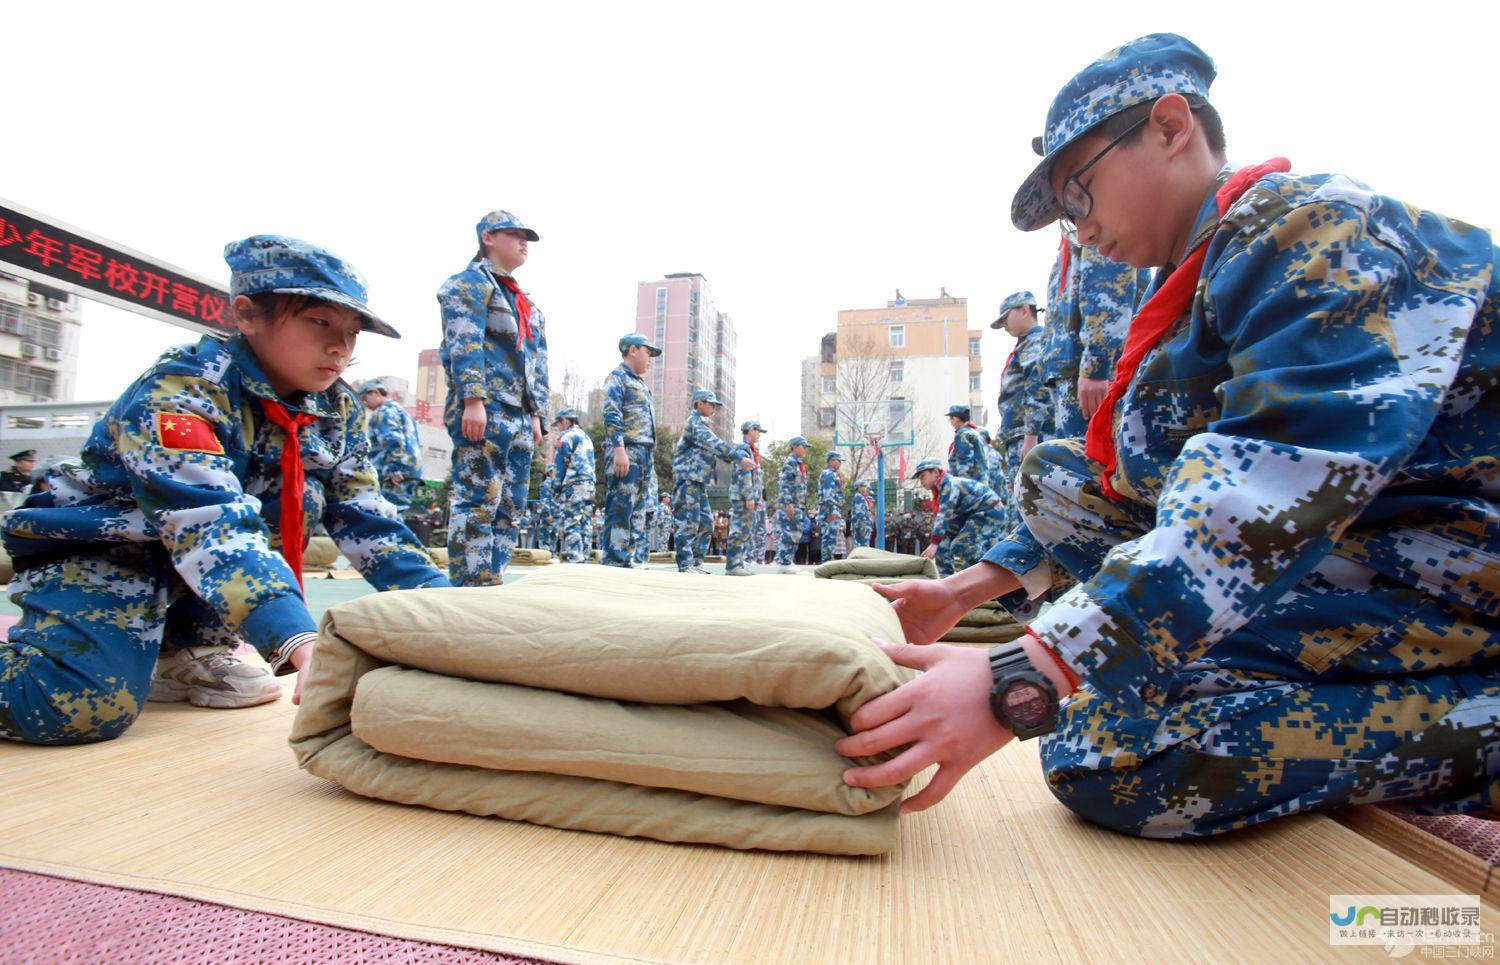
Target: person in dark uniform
17,479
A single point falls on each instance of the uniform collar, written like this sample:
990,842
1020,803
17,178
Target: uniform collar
1208,219
253,380
626,370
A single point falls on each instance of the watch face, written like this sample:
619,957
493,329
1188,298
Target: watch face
1025,704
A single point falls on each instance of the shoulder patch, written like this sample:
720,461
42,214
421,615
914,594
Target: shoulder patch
188,433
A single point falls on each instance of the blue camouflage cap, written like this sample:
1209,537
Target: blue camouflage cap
264,264
1140,71
834,454
962,411
636,338
1015,300
371,385
568,413
752,424
705,395
502,221
925,465
795,441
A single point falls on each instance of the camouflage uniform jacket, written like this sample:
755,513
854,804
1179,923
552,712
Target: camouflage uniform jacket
958,500
861,511
1023,394
792,490
1087,321
693,459
1333,389
217,507
482,356
573,462
627,409
747,483
394,444
966,453
830,492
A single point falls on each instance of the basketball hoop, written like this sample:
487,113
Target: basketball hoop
874,432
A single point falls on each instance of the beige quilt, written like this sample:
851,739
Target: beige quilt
634,702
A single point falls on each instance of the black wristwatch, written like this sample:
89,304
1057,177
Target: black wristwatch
1022,700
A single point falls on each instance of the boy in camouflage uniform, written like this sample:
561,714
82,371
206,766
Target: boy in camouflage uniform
1092,301
968,517
791,505
494,353
546,512
1024,406
1283,522
862,514
746,506
966,456
573,462
180,533
395,447
692,471
629,437
830,507
661,540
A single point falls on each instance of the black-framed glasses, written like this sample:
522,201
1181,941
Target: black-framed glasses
1075,199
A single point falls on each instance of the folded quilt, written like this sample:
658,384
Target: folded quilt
527,556
867,561
633,702
321,553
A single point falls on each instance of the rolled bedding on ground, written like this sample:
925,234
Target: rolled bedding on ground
633,702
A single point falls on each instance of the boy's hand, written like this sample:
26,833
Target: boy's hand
1091,394
943,717
930,551
621,462
536,430
927,609
300,658
473,421
747,464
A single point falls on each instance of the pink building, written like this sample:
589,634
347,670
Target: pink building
698,347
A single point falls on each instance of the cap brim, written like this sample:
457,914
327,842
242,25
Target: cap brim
653,351
1035,206
372,322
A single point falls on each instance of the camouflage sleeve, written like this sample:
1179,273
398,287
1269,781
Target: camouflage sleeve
718,446
786,491
741,480
828,493
974,462
411,457
366,527
212,530
1106,296
1338,374
541,389
580,459
464,305
945,522
614,411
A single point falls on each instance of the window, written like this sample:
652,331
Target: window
830,385
825,417
974,385
974,348
898,371
898,336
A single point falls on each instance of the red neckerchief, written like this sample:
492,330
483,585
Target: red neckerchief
523,307
937,489
1171,299
802,466
754,452
1064,256
292,481
869,504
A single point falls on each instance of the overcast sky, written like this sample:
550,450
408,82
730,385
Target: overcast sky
804,157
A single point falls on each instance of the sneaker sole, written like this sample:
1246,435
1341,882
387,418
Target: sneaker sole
171,692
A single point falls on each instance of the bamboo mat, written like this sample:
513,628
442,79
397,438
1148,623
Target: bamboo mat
208,804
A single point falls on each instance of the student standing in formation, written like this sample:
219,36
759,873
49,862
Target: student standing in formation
179,533
395,447
1282,526
546,512
830,507
661,539
1024,404
573,463
494,353
791,505
692,471
1092,300
629,440
746,495
862,514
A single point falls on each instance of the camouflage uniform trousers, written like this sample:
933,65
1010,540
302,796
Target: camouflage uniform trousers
746,543
694,521
974,539
864,534
760,539
1351,688
490,481
641,518
830,528
625,506
575,509
788,534
85,677
1068,421
546,532
1010,468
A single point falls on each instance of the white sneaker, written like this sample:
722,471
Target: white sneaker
786,568
738,571
211,677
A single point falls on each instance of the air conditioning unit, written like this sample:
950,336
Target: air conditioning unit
54,354
56,304
29,350
32,298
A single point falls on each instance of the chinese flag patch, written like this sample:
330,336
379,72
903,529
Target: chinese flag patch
174,430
